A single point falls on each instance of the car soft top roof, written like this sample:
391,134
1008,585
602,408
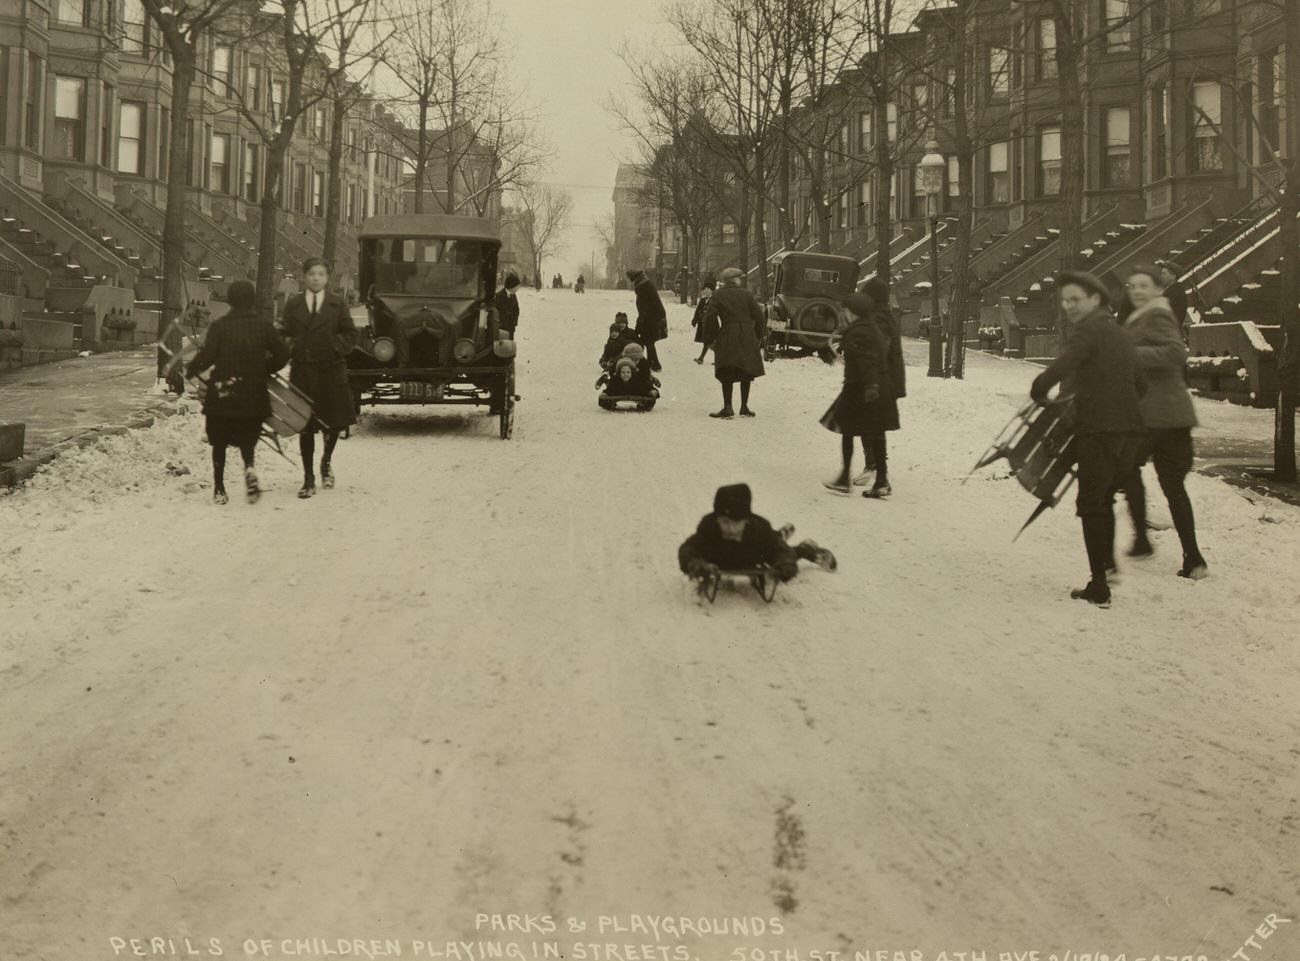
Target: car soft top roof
809,259
431,225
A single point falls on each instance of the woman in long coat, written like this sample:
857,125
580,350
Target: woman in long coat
867,404
243,350
320,329
1168,414
734,325
697,320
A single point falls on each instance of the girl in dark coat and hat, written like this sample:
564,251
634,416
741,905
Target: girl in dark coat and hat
697,321
319,327
867,405
242,349
651,318
734,326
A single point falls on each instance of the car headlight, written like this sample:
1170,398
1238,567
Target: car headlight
463,350
384,349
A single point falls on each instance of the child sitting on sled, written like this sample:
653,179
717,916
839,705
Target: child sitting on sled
628,380
621,336
734,538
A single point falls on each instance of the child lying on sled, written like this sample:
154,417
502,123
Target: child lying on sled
628,381
734,538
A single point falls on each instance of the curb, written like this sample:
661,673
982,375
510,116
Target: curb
15,473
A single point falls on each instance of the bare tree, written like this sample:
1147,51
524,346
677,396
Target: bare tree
542,215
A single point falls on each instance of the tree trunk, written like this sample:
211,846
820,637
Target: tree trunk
742,227
174,299
959,290
1288,371
884,180
1068,57
334,183
269,229
421,155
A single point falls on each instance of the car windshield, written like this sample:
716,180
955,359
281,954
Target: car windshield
428,265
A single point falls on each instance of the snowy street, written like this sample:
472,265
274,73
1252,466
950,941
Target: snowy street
471,680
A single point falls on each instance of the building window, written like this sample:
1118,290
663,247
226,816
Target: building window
920,103
1206,118
1046,68
219,164
891,122
1119,26
864,203
1115,149
219,69
317,193
1157,12
949,92
253,87
32,102
130,138
997,187
1159,131
135,27
954,178
300,188
842,213
864,130
72,11
352,203
843,139
249,187
999,79
277,101
322,121
728,232
70,118
106,128
1271,97
1049,161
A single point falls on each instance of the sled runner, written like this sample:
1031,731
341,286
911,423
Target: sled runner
628,401
763,580
1038,443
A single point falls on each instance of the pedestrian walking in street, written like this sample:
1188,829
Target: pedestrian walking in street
321,333
1173,291
1099,369
885,411
506,302
1168,414
242,350
651,318
734,327
697,320
867,406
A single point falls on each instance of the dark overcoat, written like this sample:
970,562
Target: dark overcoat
697,319
1161,357
734,325
242,349
866,367
760,545
1099,367
651,318
319,345
507,305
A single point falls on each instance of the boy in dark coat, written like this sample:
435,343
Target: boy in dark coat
866,406
507,303
697,319
734,538
319,327
1099,367
651,318
242,349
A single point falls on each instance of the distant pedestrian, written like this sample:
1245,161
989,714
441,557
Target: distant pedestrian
1174,292
1099,369
322,334
242,349
506,302
734,326
697,321
651,318
867,406
1167,412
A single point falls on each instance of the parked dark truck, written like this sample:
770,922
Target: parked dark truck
807,290
433,335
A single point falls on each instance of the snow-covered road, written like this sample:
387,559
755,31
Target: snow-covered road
470,680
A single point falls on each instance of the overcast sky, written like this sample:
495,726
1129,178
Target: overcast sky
566,61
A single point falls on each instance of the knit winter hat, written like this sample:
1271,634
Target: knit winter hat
634,351
241,295
859,305
877,290
733,501
624,362
1088,281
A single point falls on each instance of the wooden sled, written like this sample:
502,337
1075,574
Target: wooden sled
1038,443
762,579
632,402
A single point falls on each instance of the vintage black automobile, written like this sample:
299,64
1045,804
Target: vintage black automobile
433,334
807,289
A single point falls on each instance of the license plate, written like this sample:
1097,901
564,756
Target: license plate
779,325
420,391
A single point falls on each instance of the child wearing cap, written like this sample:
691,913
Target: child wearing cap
734,538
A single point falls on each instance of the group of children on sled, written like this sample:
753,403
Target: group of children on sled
627,376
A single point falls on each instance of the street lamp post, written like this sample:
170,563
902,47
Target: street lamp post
932,169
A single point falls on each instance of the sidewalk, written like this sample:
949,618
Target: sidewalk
1232,442
76,401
